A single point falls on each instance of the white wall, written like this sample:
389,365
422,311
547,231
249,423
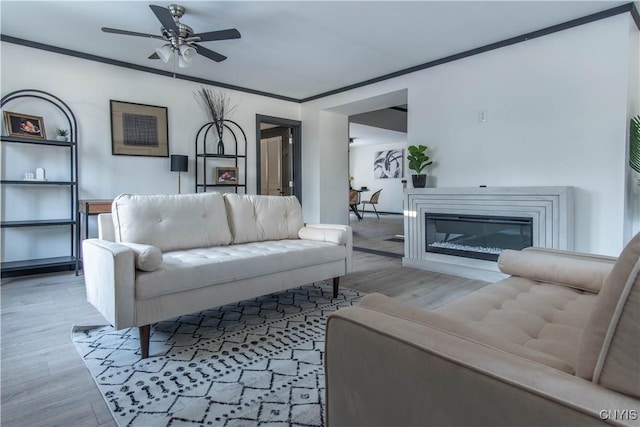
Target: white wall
557,108
87,87
361,166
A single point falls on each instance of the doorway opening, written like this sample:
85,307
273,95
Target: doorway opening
279,156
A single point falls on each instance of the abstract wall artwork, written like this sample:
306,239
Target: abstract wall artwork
139,130
388,164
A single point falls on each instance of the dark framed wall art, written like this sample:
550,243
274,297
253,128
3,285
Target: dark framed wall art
139,130
24,125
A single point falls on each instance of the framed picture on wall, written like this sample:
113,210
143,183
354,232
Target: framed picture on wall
388,164
139,130
24,125
227,176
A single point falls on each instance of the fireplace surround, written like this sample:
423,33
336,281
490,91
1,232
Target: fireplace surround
549,210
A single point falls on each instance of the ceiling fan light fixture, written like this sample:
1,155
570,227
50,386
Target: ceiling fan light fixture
187,52
183,63
165,52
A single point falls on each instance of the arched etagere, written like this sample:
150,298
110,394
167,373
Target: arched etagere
17,190
209,162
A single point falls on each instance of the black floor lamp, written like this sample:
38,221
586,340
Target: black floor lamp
179,164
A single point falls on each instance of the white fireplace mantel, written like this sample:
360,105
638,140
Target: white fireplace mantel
550,208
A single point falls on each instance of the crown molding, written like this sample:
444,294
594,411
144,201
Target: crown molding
628,7
104,60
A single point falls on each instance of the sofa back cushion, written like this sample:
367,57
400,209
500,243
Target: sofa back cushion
171,222
258,218
609,350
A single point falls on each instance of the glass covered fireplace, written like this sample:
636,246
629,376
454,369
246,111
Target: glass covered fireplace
475,236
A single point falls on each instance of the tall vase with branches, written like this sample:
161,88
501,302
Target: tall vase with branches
218,107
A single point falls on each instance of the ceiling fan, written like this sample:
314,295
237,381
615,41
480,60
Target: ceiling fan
180,38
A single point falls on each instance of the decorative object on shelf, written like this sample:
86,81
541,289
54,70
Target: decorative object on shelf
226,176
388,164
634,145
62,134
217,106
418,160
139,130
179,163
40,174
24,125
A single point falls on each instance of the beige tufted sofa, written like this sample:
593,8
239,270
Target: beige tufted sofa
555,344
162,256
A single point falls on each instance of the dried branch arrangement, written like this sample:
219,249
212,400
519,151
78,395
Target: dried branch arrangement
217,106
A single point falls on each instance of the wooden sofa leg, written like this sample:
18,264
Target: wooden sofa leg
336,284
145,333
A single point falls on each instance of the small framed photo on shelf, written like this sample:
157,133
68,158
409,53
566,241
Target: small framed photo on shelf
24,125
227,176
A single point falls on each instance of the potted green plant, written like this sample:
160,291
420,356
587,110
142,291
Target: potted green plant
418,160
62,134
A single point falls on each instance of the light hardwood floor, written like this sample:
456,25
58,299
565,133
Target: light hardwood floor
44,380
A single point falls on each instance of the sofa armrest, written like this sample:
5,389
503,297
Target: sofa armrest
109,276
580,271
573,255
334,233
145,257
385,370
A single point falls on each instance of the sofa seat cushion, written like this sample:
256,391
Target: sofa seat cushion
541,316
196,268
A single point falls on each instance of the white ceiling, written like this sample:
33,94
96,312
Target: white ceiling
294,49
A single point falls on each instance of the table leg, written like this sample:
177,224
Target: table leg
354,208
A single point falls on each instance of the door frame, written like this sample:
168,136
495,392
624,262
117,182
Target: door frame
296,133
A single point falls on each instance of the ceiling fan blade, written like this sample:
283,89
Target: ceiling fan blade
130,33
209,53
165,18
218,35
154,55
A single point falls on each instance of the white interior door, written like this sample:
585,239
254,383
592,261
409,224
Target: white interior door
271,170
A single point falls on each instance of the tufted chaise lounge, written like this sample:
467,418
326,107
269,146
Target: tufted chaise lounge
556,343
162,256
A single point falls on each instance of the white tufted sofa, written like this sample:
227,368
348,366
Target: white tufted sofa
161,256
555,344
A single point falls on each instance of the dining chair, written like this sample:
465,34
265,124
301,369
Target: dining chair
373,201
354,201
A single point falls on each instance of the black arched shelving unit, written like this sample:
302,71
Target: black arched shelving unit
207,158
68,260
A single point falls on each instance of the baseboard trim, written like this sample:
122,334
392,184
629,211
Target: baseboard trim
376,252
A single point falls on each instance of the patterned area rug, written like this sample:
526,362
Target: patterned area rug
256,362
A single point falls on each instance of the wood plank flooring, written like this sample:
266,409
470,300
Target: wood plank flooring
44,381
